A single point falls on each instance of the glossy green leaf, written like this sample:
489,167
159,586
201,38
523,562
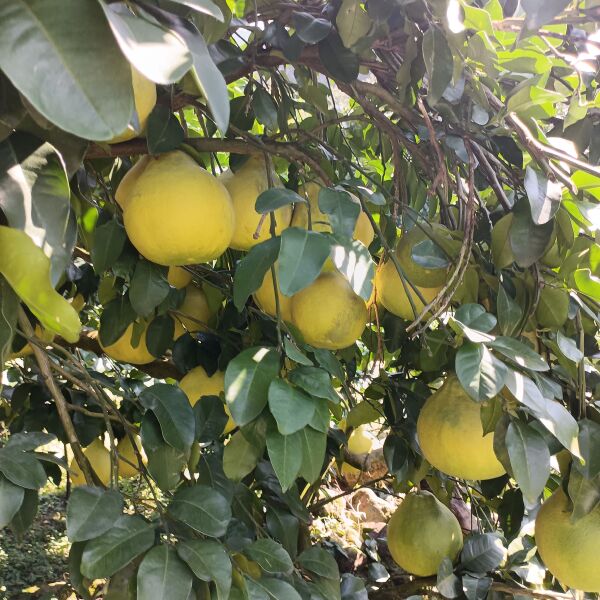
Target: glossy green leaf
540,13
588,284
528,241
480,373
9,306
438,62
509,312
310,29
92,511
353,22
320,562
163,574
314,444
544,195
240,457
355,263
519,353
22,469
589,445
292,408
285,528
342,63
164,133
272,589
270,555
109,241
301,258
501,248
165,464
105,555
203,509
247,380
274,198
265,108
447,582
149,287
11,498
285,453
61,55
24,517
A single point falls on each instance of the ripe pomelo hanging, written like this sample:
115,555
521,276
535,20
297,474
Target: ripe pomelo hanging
197,383
421,533
451,435
569,549
194,313
328,313
178,277
128,460
244,187
123,349
99,458
360,442
265,298
175,212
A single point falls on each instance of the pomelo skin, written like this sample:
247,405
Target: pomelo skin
571,551
265,298
421,533
451,435
99,458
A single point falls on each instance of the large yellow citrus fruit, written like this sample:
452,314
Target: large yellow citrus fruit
418,274
328,313
363,230
179,277
175,212
197,384
451,435
359,442
26,350
128,457
421,533
244,186
391,292
194,313
265,298
144,98
99,458
123,349
569,550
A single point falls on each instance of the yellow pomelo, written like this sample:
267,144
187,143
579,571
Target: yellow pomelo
144,99
359,442
244,186
197,384
265,298
418,274
26,350
175,212
178,277
363,230
129,180
194,313
124,351
392,293
99,458
569,550
328,313
128,457
451,435
421,533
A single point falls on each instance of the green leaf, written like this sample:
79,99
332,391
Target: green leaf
9,306
301,258
270,555
11,498
92,511
22,469
35,197
519,353
76,579
320,562
149,287
159,335
272,589
284,527
501,249
265,109
544,195
355,263
293,353
209,561
529,458
589,445
395,453
341,63
528,241
509,312
310,29
315,381
366,411
539,13
247,380
438,62
163,130
274,198
585,494
480,373
342,210
552,415
285,453
587,283
211,419
207,76
475,317
202,508
482,552
107,554
174,413
165,464
240,457
448,583
568,347
154,51
69,68
116,317
206,7
314,444
251,270
25,516
353,588
163,575
353,23
29,440
109,241
292,408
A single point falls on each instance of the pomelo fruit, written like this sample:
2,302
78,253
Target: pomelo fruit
123,349
99,458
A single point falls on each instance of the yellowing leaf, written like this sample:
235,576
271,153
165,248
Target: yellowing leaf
27,270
